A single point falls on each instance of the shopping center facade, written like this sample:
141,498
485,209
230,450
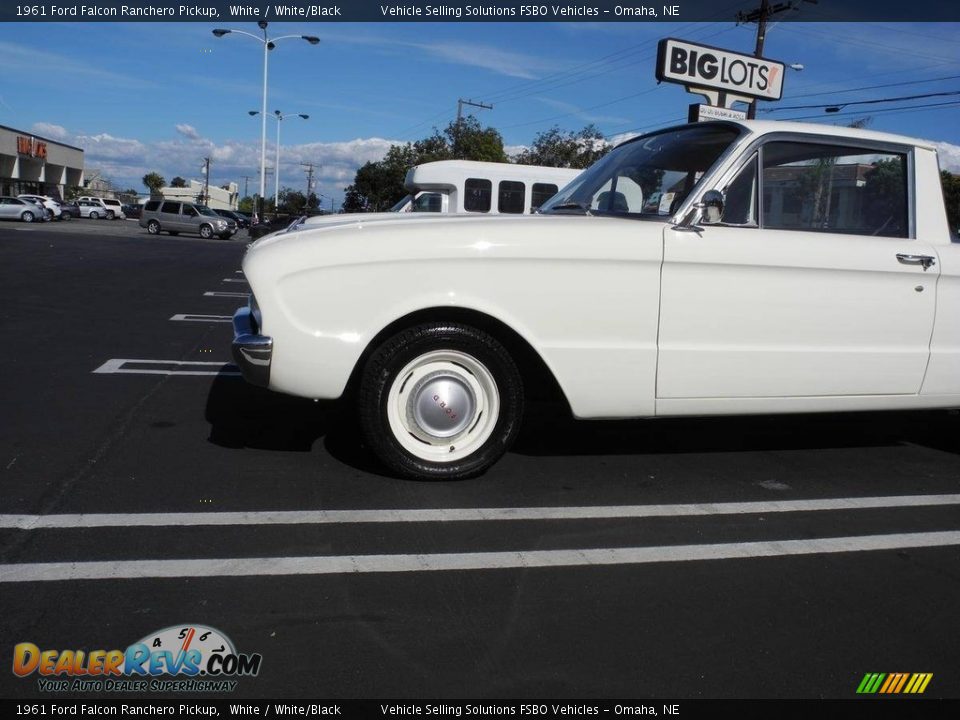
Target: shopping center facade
33,164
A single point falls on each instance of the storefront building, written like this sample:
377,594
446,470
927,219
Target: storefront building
37,165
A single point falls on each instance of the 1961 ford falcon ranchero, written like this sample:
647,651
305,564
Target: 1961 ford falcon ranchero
715,268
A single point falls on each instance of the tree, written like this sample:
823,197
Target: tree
556,148
178,182
154,181
378,186
292,202
245,204
951,197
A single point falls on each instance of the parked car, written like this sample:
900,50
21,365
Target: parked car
69,209
241,221
112,209
51,206
278,222
786,268
177,217
132,212
12,208
92,210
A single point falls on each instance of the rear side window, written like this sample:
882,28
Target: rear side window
152,205
541,193
476,196
510,196
170,207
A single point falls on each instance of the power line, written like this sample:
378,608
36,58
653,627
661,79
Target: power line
841,103
875,87
909,108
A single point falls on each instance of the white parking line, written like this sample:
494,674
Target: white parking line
337,517
212,293
238,280
350,564
186,317
115,366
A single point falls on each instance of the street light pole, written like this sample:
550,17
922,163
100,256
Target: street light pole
279,117
268,45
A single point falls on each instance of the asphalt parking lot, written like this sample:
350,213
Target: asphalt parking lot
145,486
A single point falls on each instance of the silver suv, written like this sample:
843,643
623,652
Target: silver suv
177,217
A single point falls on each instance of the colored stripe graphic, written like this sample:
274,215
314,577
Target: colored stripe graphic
894,683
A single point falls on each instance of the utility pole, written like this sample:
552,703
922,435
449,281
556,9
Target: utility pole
461,102
309,171
760,17
204,199
246,184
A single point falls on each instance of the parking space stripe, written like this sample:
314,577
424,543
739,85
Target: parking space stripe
235,280
186,317
330,517
116,366
524,559
213,293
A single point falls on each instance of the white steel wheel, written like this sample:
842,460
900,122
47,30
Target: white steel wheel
443,405
440,401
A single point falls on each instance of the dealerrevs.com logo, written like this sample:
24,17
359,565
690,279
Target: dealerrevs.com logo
187,658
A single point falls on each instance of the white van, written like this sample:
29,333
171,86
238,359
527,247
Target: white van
465,186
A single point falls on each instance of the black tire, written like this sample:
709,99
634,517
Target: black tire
153,227
381,385
94,215
111,215
27,216
65,216
206,231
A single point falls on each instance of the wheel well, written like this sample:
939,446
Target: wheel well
538,381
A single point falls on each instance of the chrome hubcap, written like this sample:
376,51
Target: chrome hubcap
443,405
440,406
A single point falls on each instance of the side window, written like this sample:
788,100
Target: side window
152,205
541,193
510,195
170,207
190,211
476,196
832,188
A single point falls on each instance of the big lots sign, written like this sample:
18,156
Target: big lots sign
701,67
31,146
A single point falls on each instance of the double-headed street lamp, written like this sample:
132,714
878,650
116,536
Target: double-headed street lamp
279,117
268,45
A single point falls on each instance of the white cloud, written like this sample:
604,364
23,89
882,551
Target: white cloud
126,160
949,156
188,131
57,132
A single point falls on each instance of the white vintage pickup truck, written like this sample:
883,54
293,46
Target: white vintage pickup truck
706,269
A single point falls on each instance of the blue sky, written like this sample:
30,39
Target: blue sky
161,96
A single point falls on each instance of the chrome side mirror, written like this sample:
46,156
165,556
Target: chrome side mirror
711,207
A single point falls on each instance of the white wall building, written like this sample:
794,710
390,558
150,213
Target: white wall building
219,199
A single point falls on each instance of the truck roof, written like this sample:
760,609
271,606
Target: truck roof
768,126
444,173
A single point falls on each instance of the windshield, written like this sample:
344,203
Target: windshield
651,175
206,211
399,207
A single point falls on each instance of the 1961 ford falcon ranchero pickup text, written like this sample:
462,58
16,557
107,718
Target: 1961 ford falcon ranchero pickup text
715,268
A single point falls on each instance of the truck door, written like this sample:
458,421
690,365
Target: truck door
811,286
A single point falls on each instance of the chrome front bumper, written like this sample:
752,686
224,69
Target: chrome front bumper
252,352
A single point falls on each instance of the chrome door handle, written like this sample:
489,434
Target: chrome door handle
926,261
